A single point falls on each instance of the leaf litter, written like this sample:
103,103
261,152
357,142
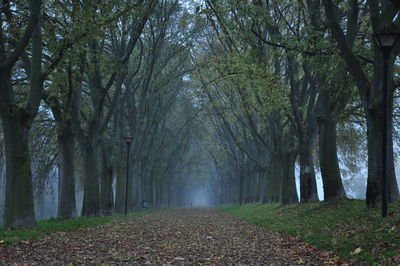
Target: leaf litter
172,236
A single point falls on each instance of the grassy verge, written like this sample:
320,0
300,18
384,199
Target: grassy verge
47,227
345,227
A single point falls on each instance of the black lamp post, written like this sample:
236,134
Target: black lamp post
128,140
386,42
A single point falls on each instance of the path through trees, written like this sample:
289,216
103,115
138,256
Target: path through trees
172,236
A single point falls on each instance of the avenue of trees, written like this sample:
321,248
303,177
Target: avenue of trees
77,76
223,95
285,80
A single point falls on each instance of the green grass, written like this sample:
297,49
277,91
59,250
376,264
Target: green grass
52,225
341,227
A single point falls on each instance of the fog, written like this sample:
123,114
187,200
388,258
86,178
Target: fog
200,198
199,192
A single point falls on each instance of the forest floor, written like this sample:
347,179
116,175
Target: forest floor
169,236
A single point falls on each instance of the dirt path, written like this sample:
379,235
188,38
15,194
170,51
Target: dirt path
174,236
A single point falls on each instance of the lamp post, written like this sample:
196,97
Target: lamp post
386,42
128,140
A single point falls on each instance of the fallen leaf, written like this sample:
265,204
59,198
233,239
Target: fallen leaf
172,236
356,251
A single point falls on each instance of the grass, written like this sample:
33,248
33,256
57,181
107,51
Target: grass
52,225
341,227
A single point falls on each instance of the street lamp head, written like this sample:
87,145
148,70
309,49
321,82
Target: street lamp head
396,3
128,139
386,40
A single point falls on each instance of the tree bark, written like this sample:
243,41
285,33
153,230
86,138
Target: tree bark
393,189
135,201
289,192
120,161
394,194
375,151
329,163
106,195
19,205
67,131
66,185
120,182
274,180
308,186
91,196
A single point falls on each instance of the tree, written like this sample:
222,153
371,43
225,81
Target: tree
381,17
97,118
17,116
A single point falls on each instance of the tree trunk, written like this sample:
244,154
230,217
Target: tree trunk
19,205
106,200
221,199
308,186
241,181
66,185
274,180
329,164
91,196
169,191
289,193
375,124
120,182
135,190
166,189
256,185
221,194
375,162
262,184
120,160
154,191
393,189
